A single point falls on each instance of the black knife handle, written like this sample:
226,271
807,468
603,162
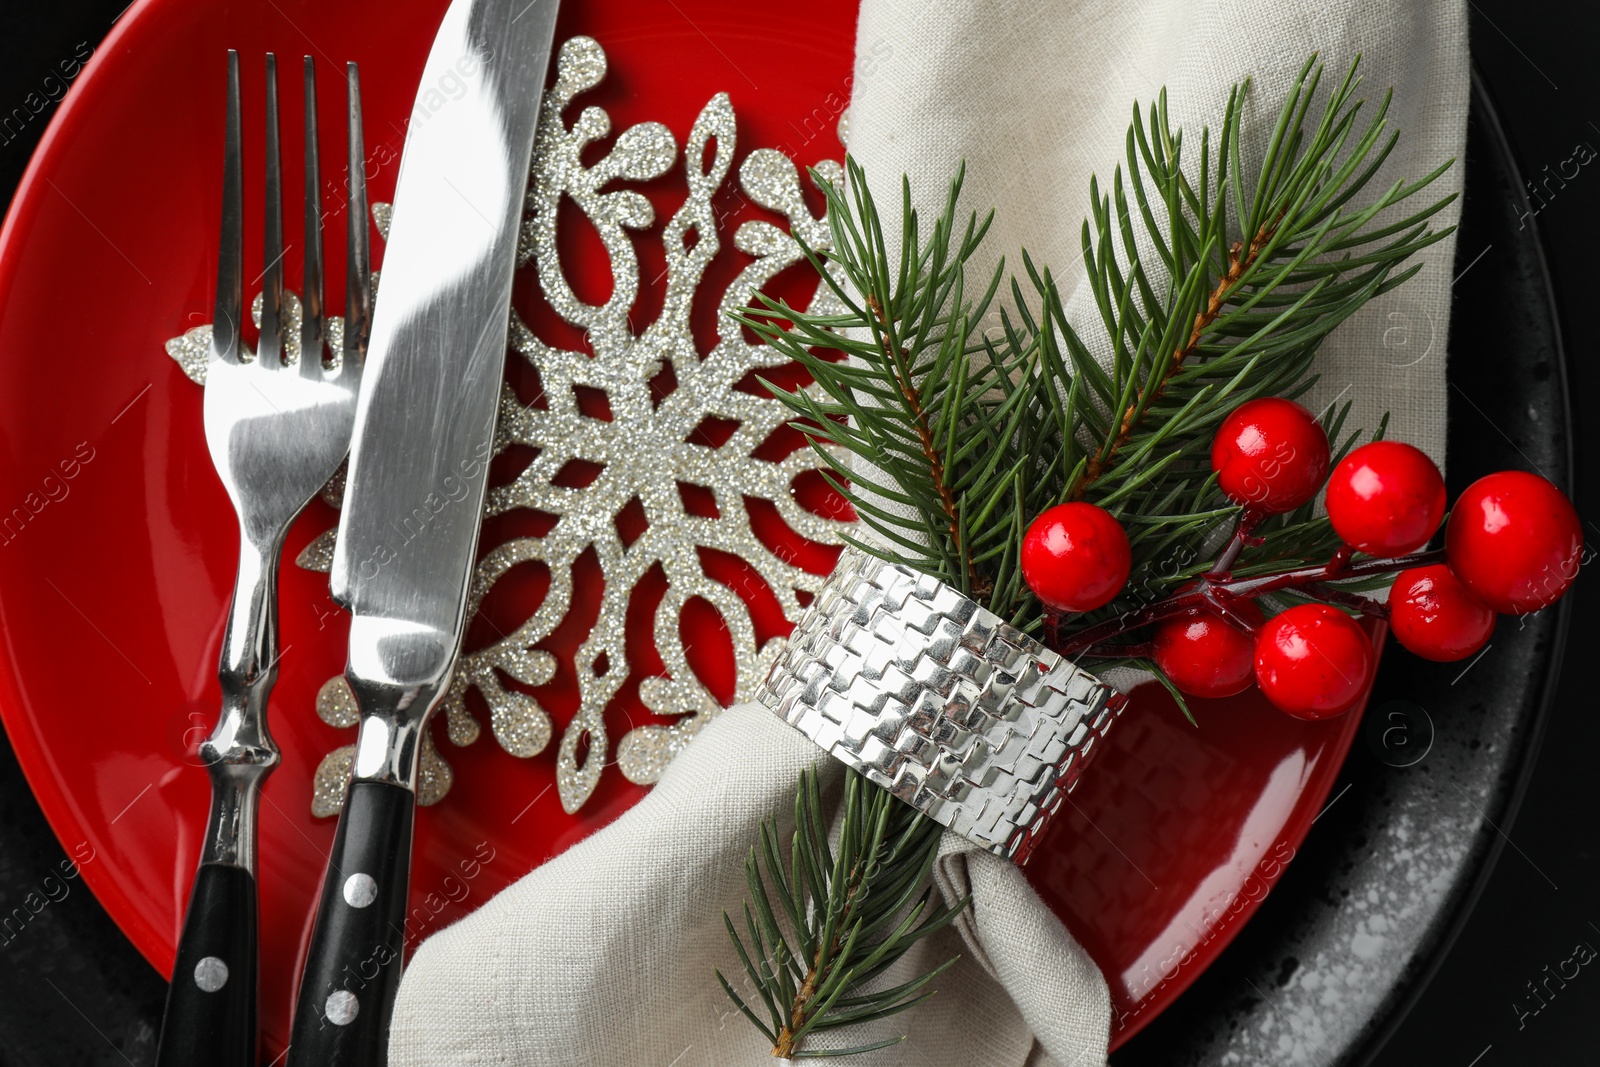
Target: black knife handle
210,1017
352,970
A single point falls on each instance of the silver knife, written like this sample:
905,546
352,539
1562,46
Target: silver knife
408,531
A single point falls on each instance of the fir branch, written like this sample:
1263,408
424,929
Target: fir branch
905,396
1240,259
852,913
930,452
1210,290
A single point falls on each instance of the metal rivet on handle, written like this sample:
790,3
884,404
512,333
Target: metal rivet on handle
210,974
341,1007
360,890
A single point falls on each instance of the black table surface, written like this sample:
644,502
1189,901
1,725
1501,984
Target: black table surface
1539,905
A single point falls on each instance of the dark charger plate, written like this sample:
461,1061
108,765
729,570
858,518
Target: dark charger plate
1353,931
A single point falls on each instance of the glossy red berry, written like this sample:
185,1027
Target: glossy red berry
1075,557
1204,655
1433,615
1386,498
1313,661
1514,541
1270,454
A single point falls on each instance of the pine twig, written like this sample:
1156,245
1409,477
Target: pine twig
1240,259
930,451
850,913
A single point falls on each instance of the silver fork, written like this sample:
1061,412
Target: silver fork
277,432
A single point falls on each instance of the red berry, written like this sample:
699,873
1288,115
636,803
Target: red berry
1204,655
1433,615
1514,541
1075,557
1386,498
1313,661
1270,454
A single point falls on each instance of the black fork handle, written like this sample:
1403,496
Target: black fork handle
210,1017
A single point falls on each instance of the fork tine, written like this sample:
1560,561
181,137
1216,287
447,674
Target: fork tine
270,349
358,277
311,300
230,245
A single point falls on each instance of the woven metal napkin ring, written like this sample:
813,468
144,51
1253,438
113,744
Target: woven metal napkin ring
940,701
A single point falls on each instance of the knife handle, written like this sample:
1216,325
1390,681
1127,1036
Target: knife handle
352,969
210,1016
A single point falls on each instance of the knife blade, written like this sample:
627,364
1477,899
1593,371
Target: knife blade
408,529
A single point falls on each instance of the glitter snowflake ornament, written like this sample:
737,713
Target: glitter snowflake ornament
641,455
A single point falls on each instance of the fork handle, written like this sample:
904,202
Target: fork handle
353,967
210,1017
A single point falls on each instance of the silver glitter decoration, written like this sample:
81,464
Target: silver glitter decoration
192,351
318,555
330,781
644,449
336,704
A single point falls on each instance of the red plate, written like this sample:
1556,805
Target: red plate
114,577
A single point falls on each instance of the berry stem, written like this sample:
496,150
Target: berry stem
1337,568
1219,592
1344,598
1142,650
1249,519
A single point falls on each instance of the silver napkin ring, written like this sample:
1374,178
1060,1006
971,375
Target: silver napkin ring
940,701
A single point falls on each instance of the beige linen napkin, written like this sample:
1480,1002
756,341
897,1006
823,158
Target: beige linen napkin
604,955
